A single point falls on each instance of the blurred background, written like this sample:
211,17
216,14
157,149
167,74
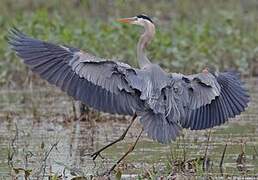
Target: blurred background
40,135
190,34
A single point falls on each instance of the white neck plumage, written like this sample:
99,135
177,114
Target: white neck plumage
146,37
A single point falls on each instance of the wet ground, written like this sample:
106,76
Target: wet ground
40,136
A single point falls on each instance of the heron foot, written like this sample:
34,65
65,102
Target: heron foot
96,154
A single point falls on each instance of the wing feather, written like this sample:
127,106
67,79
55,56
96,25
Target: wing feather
92,80
232,100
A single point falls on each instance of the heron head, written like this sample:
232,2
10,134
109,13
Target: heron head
141,20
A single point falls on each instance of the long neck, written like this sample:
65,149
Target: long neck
142,44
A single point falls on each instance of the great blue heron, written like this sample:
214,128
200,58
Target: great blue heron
165,102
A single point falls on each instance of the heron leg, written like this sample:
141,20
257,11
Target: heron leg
131,148
84,109
97,153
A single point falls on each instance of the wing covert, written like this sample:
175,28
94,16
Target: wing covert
196,90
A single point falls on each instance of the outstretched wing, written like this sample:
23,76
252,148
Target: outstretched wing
231,101
99,83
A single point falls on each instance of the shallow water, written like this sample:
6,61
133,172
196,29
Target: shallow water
32,120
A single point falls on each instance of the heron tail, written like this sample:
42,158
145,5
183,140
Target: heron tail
159,128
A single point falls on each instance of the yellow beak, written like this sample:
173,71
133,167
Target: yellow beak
126,20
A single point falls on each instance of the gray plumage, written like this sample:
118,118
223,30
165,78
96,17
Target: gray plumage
164,102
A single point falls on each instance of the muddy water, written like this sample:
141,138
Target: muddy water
32,121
